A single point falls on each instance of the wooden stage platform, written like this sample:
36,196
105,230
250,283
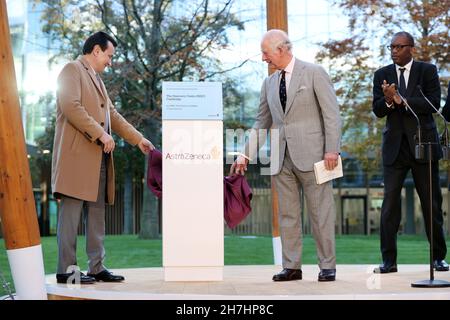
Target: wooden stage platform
353,282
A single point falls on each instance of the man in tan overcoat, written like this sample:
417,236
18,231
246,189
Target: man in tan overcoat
82,164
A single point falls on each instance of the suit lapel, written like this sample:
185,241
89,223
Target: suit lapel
293,84
89,70
275,83
413,79
103,88
392,75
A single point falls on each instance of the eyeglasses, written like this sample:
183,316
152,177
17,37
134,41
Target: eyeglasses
398,46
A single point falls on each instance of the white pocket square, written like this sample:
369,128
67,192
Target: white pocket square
301,88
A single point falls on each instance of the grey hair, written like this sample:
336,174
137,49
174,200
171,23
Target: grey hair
278,39
287,44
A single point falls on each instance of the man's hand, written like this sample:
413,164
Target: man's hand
390,93
145,145
331,160
108,143
239,166
398,100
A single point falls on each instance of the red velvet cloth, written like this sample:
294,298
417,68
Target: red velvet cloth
237,194
154,172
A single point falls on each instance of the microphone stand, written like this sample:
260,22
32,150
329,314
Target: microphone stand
444,136
429,283
420,151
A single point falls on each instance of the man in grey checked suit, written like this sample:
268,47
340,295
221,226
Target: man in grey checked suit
299,101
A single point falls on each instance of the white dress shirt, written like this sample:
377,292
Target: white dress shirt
406,73
288,75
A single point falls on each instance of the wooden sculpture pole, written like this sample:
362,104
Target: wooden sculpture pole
277,18
17,208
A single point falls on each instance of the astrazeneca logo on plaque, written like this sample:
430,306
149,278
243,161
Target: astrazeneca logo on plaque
192,181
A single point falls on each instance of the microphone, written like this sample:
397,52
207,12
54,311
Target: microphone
444,137
420,150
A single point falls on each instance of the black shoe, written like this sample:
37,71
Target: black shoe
106,276
440,265
327,275
72,278
288,275
386,268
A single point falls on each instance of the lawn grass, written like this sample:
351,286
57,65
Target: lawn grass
127,251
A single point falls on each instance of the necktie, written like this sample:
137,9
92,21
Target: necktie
283,95
402,83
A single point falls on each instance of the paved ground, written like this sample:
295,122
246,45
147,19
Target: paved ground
353,282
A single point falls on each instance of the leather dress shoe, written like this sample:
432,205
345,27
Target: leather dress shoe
106,276
386,268
440,265
71,278
288,275
327,275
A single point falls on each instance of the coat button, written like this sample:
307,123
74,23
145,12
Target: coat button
102,124
102,105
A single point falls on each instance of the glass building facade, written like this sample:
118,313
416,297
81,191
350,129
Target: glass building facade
36,77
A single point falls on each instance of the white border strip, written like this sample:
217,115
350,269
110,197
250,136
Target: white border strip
115,295
277,253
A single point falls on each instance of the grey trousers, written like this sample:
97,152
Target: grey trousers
321,210
69,218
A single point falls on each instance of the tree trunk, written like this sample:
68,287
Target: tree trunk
150,207
339,207
448,200
149,215
17,206
128,227
367,208
150,210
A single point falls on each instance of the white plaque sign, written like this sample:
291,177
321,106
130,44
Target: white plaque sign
192,211
192,101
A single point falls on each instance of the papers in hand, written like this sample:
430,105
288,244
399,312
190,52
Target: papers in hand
324,175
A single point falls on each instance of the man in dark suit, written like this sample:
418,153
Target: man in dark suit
446,109
401,79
